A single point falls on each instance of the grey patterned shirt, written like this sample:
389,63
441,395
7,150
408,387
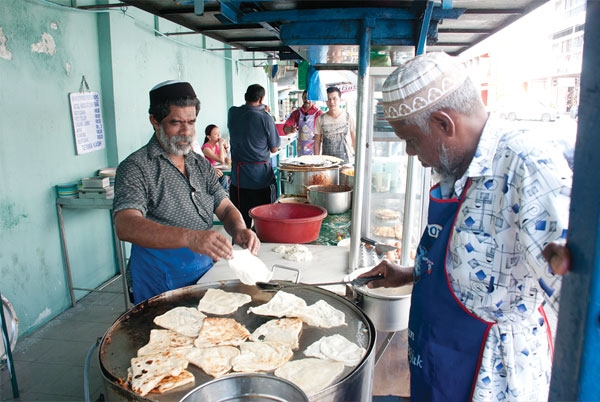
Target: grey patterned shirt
148,181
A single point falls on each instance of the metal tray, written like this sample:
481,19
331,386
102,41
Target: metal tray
132,330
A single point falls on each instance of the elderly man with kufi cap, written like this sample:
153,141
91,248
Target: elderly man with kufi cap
477,328
165,198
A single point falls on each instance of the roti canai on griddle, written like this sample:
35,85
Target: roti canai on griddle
311,374
283,330
148,371
218,331
336,348
261,356
321,314
280,305
215,360
183,320
219,302
170,382
162,340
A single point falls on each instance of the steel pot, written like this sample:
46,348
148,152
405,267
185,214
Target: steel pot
388,308
243,386
335,199
294,180
347,176
132,329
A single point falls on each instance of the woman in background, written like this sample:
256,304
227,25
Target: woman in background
216,150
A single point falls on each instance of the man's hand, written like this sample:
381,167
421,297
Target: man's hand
557,254
210,243
246,238
392,275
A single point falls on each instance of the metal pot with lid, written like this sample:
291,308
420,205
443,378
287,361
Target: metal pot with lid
295,175
131,331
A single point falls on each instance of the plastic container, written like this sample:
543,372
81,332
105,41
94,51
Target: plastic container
288,223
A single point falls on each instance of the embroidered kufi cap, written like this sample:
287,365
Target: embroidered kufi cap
420,83
169,90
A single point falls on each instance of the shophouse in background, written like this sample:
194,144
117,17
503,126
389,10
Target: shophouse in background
536,61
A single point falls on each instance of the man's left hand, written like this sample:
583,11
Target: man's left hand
246,238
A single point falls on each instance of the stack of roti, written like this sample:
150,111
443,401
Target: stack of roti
148,373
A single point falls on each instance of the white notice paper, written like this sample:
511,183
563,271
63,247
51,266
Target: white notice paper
87,121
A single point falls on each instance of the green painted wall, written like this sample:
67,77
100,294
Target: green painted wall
44,52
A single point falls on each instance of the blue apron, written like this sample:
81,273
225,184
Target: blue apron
445,341
155,271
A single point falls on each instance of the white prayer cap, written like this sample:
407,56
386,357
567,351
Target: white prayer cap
420,83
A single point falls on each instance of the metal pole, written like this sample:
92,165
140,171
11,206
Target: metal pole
361,143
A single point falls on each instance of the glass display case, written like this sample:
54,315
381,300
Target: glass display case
394,184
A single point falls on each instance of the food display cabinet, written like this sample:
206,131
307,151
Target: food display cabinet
394,183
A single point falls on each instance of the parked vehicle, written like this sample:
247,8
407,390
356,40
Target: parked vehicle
527,110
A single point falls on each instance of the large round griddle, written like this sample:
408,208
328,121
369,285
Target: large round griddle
132,330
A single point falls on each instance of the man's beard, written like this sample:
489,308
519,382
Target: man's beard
170,144
448,168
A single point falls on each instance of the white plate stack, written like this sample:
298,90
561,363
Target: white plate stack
96,187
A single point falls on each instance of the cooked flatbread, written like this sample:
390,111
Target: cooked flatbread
218,331
280,305
283,330
261,356
183,320
386,214
219,302
336,348
214,361
384,231
170,382
162,340
148,371
310,374
322,314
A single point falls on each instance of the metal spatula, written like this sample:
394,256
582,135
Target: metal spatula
380,247
268,286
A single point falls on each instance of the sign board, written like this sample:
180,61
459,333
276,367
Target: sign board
87,121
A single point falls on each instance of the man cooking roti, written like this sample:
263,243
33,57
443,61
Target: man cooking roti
165,197
477,328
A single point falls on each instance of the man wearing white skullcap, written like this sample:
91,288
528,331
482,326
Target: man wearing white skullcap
165,198
477,329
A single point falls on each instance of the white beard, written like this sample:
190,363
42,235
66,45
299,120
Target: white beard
170,143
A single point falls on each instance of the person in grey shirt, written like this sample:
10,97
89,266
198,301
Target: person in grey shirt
165,198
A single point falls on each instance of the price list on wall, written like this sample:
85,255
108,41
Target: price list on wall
87,121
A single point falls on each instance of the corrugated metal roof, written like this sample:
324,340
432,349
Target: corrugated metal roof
328,33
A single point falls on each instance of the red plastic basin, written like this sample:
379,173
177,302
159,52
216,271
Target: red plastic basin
288,223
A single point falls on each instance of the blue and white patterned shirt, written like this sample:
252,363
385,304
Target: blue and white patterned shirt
518,202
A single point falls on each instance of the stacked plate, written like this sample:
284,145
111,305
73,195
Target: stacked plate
67,190
108,172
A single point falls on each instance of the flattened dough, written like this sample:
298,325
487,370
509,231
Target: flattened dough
183,320
215,361
219,302
280,305
218,331
310,374
261,356
336,348
283,330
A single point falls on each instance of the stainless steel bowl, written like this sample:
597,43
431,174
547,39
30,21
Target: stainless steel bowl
336,199
253,387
